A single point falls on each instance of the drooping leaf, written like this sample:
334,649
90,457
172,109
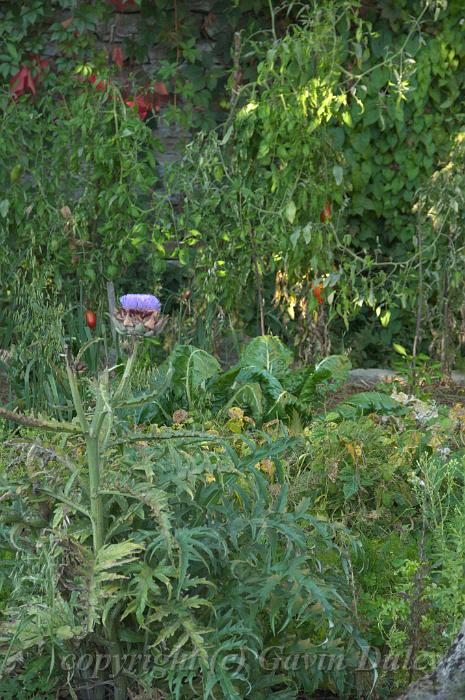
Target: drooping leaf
290,211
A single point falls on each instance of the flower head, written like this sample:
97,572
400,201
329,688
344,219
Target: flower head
140,302
139,315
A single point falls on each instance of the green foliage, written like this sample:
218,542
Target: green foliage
325,106
365,402
364,126
439,208
78,196
224,543
399,490
406,80
428,614
419,369
189,369
252,197
195,61
398,130
174,544
262,382
82,203
28,28
331,194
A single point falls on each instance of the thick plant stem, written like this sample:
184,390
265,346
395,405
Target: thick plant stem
119,680
42,423
120,391
98,525
92,432
96,503
127,372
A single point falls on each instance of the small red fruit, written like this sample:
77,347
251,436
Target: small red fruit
325,214
91,319
318,293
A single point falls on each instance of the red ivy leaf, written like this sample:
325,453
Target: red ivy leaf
122,5
22,82
101,85
117,56
161,89
143,106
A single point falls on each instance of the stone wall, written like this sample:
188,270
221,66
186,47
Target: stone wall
125,24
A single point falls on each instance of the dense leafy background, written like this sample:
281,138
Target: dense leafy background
315,206
342,109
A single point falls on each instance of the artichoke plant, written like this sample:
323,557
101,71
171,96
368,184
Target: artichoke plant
139,315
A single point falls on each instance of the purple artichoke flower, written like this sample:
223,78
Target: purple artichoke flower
140,302
139,315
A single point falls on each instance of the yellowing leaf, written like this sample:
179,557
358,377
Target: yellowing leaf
385,318
235,412
354,450
347,119
400,349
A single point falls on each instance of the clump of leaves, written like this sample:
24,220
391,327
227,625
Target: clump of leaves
167,543
263,382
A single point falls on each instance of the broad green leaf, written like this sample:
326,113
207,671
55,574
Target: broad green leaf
191,369
266,352
4,208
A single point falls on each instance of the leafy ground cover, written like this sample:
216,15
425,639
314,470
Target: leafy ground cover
249,534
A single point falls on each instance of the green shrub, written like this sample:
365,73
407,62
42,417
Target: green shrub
170,544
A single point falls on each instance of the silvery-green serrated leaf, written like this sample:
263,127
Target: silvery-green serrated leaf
338,173
116,554
4,208
295,237
290,211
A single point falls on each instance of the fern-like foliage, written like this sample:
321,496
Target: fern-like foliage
205,569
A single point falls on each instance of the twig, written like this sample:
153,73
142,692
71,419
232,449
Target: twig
43,423
416,339
259,282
